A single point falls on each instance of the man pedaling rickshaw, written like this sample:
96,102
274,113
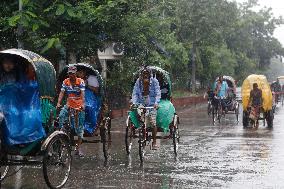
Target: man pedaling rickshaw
255,103
74,87
221,89
147,92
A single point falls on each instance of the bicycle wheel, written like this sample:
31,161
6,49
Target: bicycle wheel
128,137
142,144
3,172
57,162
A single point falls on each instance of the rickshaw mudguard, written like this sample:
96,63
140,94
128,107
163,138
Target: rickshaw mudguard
263,85
50,137
165,115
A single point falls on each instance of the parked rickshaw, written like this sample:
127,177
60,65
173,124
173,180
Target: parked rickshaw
266,111
27,83
229,105
97,113
167,119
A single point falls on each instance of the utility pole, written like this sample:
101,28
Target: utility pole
20,28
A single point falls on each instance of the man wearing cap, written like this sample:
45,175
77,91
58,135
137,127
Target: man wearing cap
74,88
147,92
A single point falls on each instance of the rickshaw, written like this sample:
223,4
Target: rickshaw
27,134
266,111
97,113
230,105
167,119
281,91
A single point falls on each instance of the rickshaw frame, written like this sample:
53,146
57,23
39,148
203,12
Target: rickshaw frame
144,138
219,110
104,119
267,104
45,75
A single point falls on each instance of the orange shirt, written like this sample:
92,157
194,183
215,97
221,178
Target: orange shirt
74,92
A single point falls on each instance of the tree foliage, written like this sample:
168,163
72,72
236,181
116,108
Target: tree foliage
193,39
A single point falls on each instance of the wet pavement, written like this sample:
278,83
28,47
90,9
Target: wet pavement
220,156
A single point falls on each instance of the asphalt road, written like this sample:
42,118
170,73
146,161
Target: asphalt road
220,156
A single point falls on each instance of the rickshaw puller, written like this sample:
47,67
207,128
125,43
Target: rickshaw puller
147,92
74,87
221,90
255,102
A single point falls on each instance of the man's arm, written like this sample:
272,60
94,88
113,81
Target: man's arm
82,88
83,98
157,91
135,92
61,95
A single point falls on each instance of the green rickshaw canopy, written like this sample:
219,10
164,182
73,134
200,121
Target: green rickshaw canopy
44,70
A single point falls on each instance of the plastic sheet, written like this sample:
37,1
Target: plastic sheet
93,106
20,104
263,85
165,115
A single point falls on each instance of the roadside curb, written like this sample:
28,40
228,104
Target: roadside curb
178,103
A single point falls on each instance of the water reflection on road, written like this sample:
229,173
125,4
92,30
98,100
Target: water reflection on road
220,156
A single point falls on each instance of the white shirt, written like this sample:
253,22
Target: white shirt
93,81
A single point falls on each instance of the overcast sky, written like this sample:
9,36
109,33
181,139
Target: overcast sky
278,10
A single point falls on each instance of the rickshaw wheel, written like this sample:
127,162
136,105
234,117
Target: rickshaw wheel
104,134
175,134
213,115
237,112
3,171
219,113
245,119
269,119
57,162
142,144
209,108
128,137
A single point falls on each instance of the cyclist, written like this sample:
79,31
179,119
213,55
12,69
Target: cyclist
74,87
147,92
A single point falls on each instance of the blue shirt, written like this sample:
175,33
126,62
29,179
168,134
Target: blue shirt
154,93
222,89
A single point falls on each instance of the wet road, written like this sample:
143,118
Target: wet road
220,156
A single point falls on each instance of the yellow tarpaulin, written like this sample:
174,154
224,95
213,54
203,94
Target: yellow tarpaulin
263,85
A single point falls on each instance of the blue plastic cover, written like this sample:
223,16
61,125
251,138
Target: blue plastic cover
20,104
93,106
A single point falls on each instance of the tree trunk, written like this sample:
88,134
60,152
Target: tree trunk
193,68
